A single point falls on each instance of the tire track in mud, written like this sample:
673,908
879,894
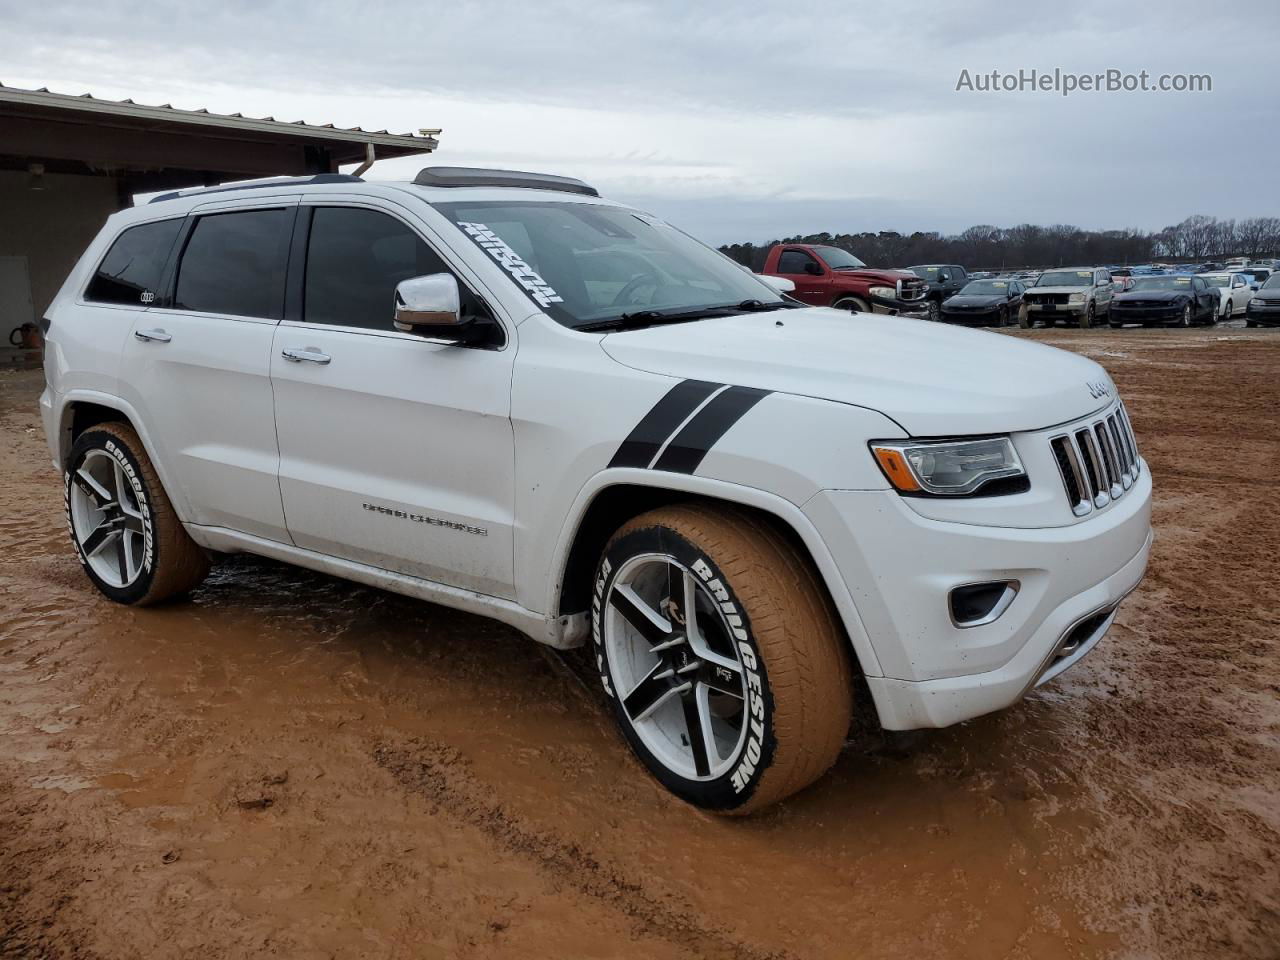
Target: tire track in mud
441,774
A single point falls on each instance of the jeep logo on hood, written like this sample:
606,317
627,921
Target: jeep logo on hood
1099,389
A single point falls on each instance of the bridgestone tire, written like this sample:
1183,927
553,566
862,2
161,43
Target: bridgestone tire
171,562
793,651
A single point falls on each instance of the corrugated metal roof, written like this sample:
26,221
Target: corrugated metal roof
422,142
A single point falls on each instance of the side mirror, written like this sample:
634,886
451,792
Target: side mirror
1253,287
813,269
430,306
779,284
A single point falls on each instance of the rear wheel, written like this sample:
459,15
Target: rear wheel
126,535
725,665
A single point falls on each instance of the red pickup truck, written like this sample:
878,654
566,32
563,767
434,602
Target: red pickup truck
831,277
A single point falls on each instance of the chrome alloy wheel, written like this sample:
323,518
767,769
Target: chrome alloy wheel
675,667
107,520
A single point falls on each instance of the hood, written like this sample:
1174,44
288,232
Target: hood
1154,296
976,300
877,275
934,380
1034,290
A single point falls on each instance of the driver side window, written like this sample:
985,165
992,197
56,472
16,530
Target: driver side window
796,261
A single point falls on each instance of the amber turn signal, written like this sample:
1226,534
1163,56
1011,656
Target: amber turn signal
895,468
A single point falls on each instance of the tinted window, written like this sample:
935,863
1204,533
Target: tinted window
234,263
133,266
794,261
355,258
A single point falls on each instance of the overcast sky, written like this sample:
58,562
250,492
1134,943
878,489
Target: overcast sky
735,121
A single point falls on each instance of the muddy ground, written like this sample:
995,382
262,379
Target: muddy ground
287,765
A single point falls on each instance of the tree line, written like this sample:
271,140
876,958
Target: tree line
1197,237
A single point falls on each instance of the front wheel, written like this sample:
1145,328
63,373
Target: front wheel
127,537
852,304
934,310
720,651
1185,319
1086,318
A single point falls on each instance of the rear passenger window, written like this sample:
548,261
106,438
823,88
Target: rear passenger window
355,258
234,263
131,271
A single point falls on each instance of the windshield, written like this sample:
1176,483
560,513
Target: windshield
1218,279
985,287
838,259
1161,283
1273,283
1066,278
584,263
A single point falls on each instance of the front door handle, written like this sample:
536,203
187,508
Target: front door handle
309,354
157,335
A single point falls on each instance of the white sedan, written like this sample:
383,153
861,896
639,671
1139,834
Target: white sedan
1234,292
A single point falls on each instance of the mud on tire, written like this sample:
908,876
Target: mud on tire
758,601
114,502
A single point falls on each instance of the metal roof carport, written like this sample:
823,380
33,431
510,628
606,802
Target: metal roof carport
66,162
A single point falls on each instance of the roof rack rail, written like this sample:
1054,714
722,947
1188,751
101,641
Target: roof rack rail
479,177
278,181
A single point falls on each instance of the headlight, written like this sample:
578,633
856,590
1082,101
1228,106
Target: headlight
949,467
1076,298
890,292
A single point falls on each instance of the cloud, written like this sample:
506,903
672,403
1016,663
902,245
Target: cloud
741,116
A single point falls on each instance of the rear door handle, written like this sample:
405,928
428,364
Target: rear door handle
157,335
309,354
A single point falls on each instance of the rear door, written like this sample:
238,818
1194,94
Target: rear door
197,365
396,451
798,265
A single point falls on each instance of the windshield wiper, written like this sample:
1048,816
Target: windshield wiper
648,318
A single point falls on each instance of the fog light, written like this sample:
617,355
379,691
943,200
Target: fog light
976,604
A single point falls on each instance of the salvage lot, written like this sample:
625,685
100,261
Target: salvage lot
292,766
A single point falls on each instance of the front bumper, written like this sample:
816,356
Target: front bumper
1270,317
1122,314
983,317
900,308
900,567
1048,311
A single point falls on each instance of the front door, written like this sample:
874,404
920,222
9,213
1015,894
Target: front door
396,451
812,279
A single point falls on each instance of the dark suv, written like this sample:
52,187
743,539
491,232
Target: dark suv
944,280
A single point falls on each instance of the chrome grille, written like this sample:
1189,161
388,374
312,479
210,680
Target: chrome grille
1098,460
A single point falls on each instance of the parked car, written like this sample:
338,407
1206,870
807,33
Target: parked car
1236,264
944,280
826,276
740,504
1257,276
1265,263
1234,289
1179,300
1081,294
1264,307
1120,271
985,303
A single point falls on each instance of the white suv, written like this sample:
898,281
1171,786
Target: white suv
501,393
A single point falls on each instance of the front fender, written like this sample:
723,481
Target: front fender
785,511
